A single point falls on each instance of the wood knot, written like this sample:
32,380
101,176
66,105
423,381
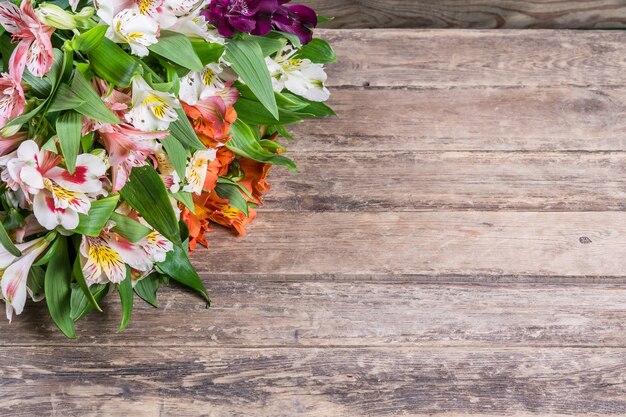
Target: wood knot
584,240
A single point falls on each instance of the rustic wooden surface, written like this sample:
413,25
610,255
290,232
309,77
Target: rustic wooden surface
476,14
454,245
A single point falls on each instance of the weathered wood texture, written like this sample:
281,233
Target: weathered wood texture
194,381
269,314
418,263
486,14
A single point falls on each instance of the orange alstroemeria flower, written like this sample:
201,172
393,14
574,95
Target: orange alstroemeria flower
226,215
218,167
211,119
255,174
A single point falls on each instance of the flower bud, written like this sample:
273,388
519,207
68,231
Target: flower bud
53,15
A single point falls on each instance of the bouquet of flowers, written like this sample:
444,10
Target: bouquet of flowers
128,126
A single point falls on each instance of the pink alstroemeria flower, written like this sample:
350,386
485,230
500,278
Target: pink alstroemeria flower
12,100
34,49
14,273
11,143
127,146
58,195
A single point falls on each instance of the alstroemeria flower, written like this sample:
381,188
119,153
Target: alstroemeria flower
104,258
248,16
127,146
59,195
11,143
197,86
255,175
108,9
34,49
12,100
300,76
152,110
14,273
296,19
136,29
196,172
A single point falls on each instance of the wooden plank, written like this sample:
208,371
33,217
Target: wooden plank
325,314
401,181
461,58
184,381
567,14
537,119
424,246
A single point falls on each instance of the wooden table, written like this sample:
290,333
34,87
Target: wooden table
454,244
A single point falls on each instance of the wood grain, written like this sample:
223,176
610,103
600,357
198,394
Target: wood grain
457,58
409,181
542,119
347,314
424,246
551,14
190,381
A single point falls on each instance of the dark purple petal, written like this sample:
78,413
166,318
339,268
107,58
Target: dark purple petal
298,20
242,23
304,14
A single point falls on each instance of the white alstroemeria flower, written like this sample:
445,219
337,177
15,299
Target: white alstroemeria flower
168,172
195,86
134,28
300,76
104,258
195,174
58,195
152,110
183,7
14,273
193,25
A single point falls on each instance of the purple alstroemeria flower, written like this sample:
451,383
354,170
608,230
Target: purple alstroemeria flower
248,16
295,19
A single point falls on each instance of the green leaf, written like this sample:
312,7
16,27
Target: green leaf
92,223
90,40
233,195
80,278
69,130
182,131
146,193
177,154
177,48
129,228
269,46
35,282
147,288
125,288
64,99
318,51
80,305
244,143
244,190
253,112
110,62
6,241
186,199
49,253
58,290
93,106
178,267
316,110
324,19
208,52
246,58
